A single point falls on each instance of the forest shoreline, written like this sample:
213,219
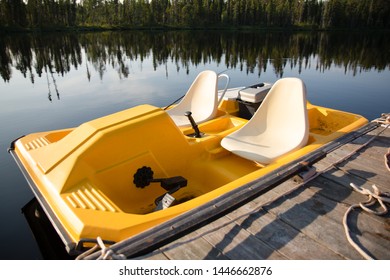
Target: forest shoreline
77,29
102,15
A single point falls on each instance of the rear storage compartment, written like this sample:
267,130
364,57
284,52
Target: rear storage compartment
250,98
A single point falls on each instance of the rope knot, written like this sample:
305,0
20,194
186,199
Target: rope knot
373,196
106,252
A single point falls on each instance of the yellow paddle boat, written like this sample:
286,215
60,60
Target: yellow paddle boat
122,174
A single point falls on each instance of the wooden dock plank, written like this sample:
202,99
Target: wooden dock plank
321,202
340,190
235,242
376,166
155,255
369,162
192,247
374,239
308,214
279,235
373,228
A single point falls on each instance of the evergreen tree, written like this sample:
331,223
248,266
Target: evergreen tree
138,13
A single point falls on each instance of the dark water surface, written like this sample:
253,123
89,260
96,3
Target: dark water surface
53,81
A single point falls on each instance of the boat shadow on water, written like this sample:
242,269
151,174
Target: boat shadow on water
49,243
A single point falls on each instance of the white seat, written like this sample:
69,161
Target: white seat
201,100
278,127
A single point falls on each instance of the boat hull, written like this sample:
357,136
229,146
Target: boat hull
83,177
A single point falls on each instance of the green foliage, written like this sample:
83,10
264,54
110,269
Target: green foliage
194,13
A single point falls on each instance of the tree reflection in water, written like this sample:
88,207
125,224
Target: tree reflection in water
52,53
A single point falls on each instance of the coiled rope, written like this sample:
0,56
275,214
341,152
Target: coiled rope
373,196
106,252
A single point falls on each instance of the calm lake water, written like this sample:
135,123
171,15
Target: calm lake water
53,81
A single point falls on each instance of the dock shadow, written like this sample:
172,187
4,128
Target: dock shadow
290,221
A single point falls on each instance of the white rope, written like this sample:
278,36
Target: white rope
384,118
387,160
373,196
88,252
106,252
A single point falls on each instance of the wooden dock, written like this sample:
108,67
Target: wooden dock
301,221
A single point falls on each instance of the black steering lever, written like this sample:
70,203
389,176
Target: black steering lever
197,134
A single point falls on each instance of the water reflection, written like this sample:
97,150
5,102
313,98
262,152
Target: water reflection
47,54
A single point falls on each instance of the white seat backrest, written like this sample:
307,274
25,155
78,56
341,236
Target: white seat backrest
278,127
283,107
201,99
